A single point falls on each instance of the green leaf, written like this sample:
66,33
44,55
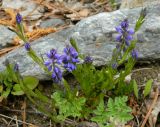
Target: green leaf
17,90
6,92
30,82
116,110
147,88
7,83
10,73
135,87
1,76
40,95
68,107
74,44
140,20
1,88
68,90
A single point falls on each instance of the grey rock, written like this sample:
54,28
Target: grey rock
118,1
96,36
6,36
27,5
100,30
138,3
51,23
41,46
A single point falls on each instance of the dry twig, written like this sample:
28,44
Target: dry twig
35,34
24,112
12,15
16,121
151,107
2,115
140,69
6,50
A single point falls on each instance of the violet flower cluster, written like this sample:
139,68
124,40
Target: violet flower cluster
70,58
51,64
125,36
88,59
134,54
67,60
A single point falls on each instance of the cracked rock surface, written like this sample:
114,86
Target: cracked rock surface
95,36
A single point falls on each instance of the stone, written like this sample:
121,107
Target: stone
118,1
51,23
27,7
6,37
95,36
138,3
41,46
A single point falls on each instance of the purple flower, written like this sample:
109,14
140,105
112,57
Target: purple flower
130,31
114,65
53,58
52,54
134,54
27,46
16,67
18,18
57,74
127,42
125,24
88,59
125,34
124,37
70,58
119,29
69,67
119,38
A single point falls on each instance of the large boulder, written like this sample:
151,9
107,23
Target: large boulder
95,36
138,3
27,5
6,36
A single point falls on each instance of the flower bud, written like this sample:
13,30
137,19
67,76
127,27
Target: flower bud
18,18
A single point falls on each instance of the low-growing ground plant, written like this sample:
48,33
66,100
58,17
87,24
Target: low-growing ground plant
88,99
9,83
116,113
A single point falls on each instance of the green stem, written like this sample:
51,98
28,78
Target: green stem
42,109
